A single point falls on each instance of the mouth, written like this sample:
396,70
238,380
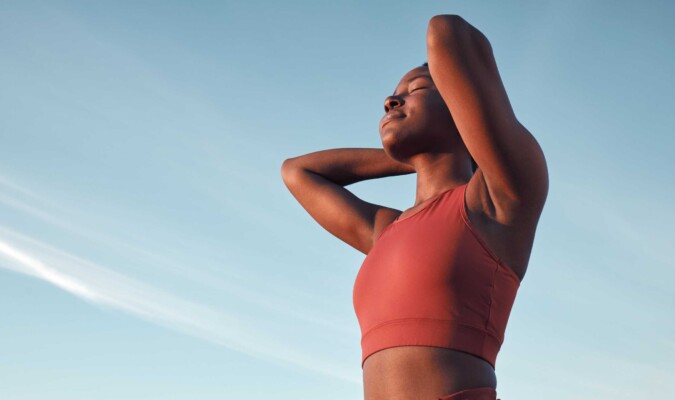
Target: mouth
390,116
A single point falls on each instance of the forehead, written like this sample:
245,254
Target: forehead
413,73
421,70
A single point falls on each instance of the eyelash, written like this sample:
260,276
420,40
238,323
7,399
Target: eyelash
421,87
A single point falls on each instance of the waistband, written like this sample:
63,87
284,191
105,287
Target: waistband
431,332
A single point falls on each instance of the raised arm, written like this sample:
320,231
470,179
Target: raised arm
317,181
464,70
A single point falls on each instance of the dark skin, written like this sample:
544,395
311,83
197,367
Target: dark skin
436,120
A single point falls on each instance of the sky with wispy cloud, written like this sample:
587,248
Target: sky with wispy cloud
149,248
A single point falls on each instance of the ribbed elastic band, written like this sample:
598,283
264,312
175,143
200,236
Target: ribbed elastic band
430,332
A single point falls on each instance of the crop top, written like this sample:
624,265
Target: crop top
431,280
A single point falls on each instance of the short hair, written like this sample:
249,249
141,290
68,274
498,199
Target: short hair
425,65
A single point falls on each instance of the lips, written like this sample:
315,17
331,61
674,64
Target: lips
390,116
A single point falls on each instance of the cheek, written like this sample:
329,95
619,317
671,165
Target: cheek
434,110
427,112
439,108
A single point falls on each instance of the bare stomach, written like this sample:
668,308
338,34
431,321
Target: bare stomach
423,372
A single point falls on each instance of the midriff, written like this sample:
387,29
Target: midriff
423,372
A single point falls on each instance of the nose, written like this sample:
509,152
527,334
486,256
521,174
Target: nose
391,102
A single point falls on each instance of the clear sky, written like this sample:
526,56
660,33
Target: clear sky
149,248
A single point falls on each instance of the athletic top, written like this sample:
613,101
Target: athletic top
430,280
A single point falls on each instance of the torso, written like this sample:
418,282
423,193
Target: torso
424,372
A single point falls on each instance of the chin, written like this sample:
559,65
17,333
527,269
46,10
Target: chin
389,138
395,149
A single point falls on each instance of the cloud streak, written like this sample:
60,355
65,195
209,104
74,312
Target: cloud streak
34,204
104,287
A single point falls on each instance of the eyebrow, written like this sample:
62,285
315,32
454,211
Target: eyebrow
412,78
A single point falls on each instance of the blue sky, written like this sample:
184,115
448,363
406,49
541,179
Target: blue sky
149,248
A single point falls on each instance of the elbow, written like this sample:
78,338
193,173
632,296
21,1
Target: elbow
454,33
287,169
292,170
445,20
444,27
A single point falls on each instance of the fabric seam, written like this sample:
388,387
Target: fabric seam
492,295
465,218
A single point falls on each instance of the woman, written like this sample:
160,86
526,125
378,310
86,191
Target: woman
435,290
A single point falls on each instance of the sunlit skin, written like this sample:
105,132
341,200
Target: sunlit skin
436,120
418,129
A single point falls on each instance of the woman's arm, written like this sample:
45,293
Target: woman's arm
317,181
345,166
464,70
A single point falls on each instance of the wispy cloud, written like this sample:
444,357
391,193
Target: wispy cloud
30,202
30,266
103,286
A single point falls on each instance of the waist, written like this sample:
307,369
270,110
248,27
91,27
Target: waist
423,372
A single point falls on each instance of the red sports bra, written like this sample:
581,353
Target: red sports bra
430,280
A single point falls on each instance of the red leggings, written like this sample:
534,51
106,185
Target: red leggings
482,393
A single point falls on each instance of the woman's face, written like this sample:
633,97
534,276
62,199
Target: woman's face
416,119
